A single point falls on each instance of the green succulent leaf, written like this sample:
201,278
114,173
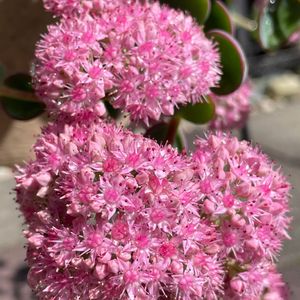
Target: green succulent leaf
17,98
112,112
158,132
289,16
199,9
219,18
179,142
199,113
20,109
277,21
19,81
233,62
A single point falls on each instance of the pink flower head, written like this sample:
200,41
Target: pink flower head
247,193
114,215
260,281
146,59
117,218
248,200
231,111
70,66
69,7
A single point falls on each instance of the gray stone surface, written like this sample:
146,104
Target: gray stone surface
10,222
279,135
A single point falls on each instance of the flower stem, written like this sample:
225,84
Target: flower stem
16,94
172,130
243,22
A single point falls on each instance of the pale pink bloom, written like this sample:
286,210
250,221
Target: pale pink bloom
247,193
260,281
231,111
120,219
69,7
124,217
146,59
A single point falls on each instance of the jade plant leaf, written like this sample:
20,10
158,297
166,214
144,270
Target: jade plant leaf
20,109
277,21
159,132
233,62
199,113
180,142
112,112
19,81
17,98
199,9
219,18
289,16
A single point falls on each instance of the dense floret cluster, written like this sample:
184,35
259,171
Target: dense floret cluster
67,8
113,215
248,201
147,59
232,110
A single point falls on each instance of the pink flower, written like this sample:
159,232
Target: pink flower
125,217
146,59
69,7
231,111
65,69
120,219
246,193
260,281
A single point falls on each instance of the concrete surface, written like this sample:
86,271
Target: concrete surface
279,136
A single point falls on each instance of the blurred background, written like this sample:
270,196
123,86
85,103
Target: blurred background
274,123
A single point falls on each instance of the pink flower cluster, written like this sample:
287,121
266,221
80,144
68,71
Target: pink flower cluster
70,7
113,215
145,58
248,201
232,110
66,7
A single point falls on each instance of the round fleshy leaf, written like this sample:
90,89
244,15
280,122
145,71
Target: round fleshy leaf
112,112
158,132
20,109
199,9
233,62
199,113
20,81
269,33
17,98
219,18
278,20
180,142
289,16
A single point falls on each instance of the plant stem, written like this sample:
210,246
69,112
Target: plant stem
19,95
243,22
172,130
